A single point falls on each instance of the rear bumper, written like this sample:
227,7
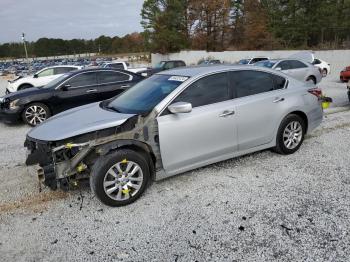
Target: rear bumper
315,118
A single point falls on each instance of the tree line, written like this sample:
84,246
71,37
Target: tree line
43,47
215,25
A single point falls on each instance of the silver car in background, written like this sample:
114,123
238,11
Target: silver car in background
298,69
170,123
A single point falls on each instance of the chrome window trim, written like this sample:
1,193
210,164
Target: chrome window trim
65,81
162,105
115,70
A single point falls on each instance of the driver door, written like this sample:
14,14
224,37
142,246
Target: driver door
203,136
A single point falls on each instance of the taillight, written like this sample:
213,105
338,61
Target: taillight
316,92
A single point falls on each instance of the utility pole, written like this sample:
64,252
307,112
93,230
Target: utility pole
25,49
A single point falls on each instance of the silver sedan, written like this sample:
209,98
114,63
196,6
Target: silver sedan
298,69
170,123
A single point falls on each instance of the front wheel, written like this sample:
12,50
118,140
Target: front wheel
35,114
290,135
120,177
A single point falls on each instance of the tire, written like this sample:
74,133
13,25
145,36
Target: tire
311,78
106,177
25,86
282,141
35,113
324,72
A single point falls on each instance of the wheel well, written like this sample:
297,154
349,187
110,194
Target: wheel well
303,116
24,84
38,103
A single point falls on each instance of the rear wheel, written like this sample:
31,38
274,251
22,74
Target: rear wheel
290,134
35,114
324,72
120,177
311,78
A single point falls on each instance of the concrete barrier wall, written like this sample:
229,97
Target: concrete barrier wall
337,58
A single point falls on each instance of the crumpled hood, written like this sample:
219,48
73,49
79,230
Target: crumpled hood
77,121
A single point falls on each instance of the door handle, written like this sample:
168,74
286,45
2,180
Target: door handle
278,99
227,113
125,86
91,90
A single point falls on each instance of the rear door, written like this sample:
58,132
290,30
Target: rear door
112,83
298,70
203,136
79,90
260,98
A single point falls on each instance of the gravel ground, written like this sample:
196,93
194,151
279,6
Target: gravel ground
259,207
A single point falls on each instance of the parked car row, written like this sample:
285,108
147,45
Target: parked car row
78,87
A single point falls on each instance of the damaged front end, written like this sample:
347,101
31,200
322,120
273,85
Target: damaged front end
64,163
60,165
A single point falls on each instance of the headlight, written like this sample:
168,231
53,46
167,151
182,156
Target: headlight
13,104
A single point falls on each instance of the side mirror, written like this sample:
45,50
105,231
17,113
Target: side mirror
35,76
278,69
65,87
180,107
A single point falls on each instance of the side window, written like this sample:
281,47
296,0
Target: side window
117,66
208,90
247,83
284,65
63,70
297,64
316,62
179,64
280,81
112,77
85,79
169,65
258,59
47,72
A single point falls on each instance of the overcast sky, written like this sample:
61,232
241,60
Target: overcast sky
68,19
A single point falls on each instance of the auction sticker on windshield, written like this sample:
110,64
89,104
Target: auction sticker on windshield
178,78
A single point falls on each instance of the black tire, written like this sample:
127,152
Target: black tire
105,163
311,78
324,72
281,148
40,118
25,86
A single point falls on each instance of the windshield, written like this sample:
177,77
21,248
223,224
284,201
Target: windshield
266,63
244,61
144,96
160,65
54,82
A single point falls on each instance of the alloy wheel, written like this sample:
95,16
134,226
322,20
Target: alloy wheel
292,135
123,180
35,115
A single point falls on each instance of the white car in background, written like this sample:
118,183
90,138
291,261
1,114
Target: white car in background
323,65
123,65
40,78
252,60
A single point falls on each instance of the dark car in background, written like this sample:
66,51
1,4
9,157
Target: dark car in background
163,65
35,105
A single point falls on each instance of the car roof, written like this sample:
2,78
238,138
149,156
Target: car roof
75,66
98,69
202,70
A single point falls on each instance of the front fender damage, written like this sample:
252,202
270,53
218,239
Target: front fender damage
64,163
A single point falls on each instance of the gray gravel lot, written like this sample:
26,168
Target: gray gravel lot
259,207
